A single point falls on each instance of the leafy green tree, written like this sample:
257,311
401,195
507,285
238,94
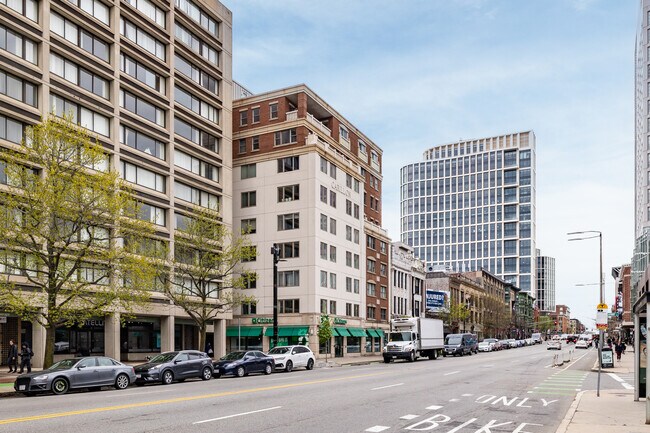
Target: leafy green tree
69,232
544,323
204,273
325,332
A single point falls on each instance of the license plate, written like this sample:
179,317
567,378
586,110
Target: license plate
394,356
21,387
138,376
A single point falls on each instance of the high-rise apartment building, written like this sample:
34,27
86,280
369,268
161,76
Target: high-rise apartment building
545,283
471,205
642,121
308,181
153,81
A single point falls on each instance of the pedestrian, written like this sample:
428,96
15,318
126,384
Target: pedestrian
208,349
624,346
26,358
12,358
619,350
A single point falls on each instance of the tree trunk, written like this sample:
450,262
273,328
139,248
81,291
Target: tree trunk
202,336
50,334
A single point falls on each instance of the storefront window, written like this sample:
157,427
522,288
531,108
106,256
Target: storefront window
244,343
377,342
142,335
82,340
326,347
369,346
354,344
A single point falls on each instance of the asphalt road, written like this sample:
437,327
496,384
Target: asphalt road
513,391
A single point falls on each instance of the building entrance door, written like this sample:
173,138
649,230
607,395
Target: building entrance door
338,347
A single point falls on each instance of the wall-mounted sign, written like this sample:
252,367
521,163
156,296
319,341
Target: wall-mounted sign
339,321
261,320
435,300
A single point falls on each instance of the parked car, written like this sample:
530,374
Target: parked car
75,373
289,357
554,343
460,344
513,343
174,366
505,344
584,342
494,343
485,346
241,362
537,338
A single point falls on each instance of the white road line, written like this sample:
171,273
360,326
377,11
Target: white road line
387,386
627,385
239,414
451,372
615,377
467,395
454,400
377,428
409,417
433,407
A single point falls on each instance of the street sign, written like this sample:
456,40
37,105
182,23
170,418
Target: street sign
601,318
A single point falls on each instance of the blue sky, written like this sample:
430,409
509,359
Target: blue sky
413,74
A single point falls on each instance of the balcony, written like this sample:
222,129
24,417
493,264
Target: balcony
313,140
293,115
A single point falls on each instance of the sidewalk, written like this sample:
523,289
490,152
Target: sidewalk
349,360
615,411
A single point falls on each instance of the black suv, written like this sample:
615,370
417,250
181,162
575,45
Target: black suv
170,366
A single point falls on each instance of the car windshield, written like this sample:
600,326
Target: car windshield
278,350
454,339
164,357
63,364
399,336
484,343
233,356
489,340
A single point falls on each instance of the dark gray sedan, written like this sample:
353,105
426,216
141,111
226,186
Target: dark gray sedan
74,373
174,366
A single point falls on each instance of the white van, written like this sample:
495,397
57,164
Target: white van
537,338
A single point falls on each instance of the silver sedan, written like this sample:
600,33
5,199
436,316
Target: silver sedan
75,373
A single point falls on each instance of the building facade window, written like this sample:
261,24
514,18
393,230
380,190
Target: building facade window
290,221
18,45
288,193
288,306
197,136
142,142
289,250
153,214
288,136
199,16
197,105
196,74
80,37
143,177
248,171
142,73
142,108
18,89
196,196
290,163
289,278
75,74
255,114
248,199
148,9
27,8
11,130
80,115
249,226
273,111
197,44
196,165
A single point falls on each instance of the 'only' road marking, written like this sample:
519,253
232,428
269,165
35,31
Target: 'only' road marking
178,399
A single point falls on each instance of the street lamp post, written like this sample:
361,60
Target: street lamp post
275,250
591,235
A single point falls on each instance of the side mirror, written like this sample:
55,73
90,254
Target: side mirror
79,367
177,361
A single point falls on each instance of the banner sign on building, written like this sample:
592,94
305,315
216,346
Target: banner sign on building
435,301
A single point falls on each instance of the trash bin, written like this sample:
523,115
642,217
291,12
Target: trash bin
607,357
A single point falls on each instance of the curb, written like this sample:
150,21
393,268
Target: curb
564,425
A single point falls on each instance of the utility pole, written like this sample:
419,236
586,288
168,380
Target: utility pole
275,250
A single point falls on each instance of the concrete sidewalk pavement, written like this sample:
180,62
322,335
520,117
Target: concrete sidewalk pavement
615,411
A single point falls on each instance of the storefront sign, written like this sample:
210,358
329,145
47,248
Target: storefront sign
261,320
435,300
339,188
98,323
339,321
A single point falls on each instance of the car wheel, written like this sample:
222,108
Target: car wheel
310,364
240,372
386,360
268,369
206,374
60,386
289,367
412,356
167,377
122,381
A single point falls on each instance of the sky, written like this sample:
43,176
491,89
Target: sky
412,74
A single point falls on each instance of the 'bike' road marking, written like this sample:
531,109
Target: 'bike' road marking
180,399
409,417
237,414
433,407
451,372
387,386
377,428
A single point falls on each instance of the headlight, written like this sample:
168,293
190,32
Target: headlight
153,369
41,377
231,365
280,358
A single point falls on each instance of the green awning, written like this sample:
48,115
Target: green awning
356,332
244,331
342,332
373,333
335,332
380,333
287,331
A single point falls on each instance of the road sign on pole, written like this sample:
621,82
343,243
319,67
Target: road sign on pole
601,316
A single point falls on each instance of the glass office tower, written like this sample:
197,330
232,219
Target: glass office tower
471,205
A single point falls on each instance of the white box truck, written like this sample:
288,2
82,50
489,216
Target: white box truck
412,337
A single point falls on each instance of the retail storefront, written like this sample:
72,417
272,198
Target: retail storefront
80,340
139,338
244,338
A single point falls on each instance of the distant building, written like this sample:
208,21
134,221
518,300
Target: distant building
470,205
407,283
545,283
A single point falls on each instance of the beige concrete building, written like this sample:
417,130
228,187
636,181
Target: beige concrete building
153,80
309,181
